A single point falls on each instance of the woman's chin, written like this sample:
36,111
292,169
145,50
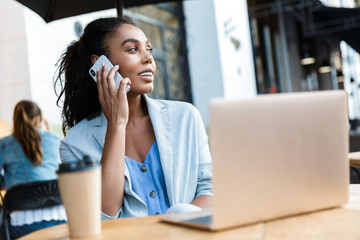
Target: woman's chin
148,89
140,91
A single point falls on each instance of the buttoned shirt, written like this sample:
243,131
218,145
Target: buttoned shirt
148,181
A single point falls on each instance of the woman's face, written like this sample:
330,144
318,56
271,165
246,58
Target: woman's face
131,50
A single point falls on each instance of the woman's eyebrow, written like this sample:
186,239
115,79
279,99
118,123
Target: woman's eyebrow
132,40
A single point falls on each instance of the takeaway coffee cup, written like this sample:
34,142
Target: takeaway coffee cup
80,190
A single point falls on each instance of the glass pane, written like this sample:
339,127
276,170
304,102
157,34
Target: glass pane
159,84
175,65
162,27
153,33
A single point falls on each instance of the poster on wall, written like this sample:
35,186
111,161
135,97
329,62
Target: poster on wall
235,48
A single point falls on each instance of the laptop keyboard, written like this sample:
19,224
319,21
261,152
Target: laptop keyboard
207,220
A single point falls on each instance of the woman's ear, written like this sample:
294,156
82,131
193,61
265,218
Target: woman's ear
94,58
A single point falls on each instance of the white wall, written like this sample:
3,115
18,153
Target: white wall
236,55
30,49
14,78
46,43
203,53
219,51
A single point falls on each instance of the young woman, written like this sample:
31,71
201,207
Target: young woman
154,153
30,155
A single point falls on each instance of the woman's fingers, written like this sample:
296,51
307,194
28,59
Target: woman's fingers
99,84
111,76
123,83
113,101
106,85
104,77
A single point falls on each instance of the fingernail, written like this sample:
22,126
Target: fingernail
116,66
103,64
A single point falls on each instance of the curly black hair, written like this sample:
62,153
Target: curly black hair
79,89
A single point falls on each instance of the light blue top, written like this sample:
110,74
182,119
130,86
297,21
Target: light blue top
148,181
183,148
18,168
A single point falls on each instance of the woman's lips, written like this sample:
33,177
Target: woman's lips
148,76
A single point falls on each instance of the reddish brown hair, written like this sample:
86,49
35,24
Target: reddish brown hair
25,131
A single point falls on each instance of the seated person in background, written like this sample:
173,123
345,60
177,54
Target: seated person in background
29,155
154,153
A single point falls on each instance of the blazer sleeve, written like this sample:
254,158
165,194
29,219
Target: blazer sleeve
204,184
68,152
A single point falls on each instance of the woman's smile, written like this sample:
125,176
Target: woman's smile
147,75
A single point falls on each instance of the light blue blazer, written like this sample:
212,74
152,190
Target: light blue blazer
183,146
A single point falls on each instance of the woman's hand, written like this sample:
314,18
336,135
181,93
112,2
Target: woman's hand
115,107
203,201
113,101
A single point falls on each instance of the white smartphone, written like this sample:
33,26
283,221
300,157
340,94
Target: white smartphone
98,65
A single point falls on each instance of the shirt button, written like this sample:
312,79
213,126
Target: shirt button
152,194
143,168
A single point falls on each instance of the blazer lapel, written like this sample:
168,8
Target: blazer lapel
161,122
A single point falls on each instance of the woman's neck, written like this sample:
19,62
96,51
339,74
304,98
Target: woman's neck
137,107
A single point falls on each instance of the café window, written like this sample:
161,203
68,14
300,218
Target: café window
164,26
266,49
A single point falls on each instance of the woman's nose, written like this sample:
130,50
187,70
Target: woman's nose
148,58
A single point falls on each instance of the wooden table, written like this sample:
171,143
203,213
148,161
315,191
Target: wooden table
337,223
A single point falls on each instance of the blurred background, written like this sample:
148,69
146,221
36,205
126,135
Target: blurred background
203,49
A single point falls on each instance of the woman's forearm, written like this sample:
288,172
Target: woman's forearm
113,168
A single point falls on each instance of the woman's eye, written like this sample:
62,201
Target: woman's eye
132,49
150,50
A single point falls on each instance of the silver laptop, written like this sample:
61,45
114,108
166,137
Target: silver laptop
274,156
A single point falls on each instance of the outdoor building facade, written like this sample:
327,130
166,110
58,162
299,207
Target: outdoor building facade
193,50
203,49
307,46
